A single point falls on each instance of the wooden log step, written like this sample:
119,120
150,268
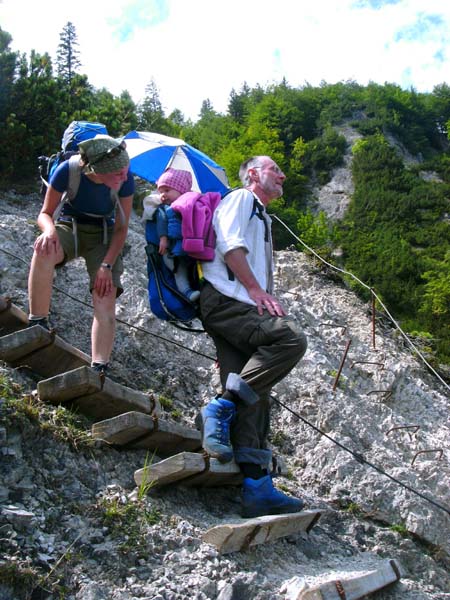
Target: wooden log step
138,430
94,395
40,350
352,588
194,469
189,468
232,537
12,318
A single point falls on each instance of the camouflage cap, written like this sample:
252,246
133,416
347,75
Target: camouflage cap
104,154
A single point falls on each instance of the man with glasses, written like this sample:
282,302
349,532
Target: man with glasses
257,344
94,191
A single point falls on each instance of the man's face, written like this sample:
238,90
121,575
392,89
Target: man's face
271,179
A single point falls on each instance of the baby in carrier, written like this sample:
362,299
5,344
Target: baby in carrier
171,185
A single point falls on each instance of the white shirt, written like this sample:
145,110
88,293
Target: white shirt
237,227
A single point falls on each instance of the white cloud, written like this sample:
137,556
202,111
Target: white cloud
204,48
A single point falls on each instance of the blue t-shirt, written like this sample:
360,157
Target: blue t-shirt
90,198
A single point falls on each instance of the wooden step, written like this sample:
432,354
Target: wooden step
41,351
12,318
189,468
94,394
137,430
195,469
352,588
232,537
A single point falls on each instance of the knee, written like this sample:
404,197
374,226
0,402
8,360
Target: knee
41,262
296,338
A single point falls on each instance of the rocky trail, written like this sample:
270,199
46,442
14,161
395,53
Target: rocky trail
80,521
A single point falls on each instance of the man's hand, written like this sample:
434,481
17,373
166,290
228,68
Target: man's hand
266,301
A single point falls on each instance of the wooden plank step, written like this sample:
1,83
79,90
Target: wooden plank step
352,588
232,537
41,351
189,468
93,394
138,430
194,469
12,318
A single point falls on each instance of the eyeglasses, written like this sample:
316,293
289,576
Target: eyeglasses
111,153
275,168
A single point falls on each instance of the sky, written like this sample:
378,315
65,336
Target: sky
195,50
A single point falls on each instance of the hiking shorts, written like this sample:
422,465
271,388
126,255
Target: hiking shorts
91,248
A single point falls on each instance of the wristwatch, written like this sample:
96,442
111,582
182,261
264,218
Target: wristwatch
106,266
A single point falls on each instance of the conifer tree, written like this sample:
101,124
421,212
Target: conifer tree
8,63
151,112
67,58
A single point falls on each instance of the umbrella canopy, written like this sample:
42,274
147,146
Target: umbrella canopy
152,153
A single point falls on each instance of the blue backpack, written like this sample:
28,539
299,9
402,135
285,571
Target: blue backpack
166,301
76,132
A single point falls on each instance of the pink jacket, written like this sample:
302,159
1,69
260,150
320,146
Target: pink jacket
197,212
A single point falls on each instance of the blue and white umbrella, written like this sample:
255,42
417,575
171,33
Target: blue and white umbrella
152,153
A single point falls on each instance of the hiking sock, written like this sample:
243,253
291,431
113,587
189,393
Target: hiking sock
41,320
100,367
253,470
230,396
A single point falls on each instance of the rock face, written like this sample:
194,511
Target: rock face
387,409
334,197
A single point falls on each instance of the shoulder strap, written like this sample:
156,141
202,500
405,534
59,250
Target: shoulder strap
115,199
73,184
74,176
258,211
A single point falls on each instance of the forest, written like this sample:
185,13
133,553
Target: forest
395,236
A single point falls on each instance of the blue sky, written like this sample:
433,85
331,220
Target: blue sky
198,49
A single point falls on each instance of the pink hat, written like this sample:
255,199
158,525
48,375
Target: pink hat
176,179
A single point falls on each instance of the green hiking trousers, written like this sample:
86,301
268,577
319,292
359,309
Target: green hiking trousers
260,348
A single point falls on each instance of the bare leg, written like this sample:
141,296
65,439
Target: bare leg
40,280
103,326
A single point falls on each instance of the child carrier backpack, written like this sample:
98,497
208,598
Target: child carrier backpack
76,132
166,300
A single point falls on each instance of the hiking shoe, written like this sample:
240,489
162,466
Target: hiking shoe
217,417
43,322
260,497
100,367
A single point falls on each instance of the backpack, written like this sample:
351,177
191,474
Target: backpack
76,132
166,301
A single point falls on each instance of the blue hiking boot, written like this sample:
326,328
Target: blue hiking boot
217,417
260,497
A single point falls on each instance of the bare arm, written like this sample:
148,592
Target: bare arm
48,241
237,261
103,280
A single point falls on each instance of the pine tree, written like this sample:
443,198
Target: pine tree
151,113
67,58
8,63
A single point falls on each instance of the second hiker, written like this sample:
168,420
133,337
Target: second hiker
93,223
257,344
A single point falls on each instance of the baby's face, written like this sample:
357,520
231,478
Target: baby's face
168,194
